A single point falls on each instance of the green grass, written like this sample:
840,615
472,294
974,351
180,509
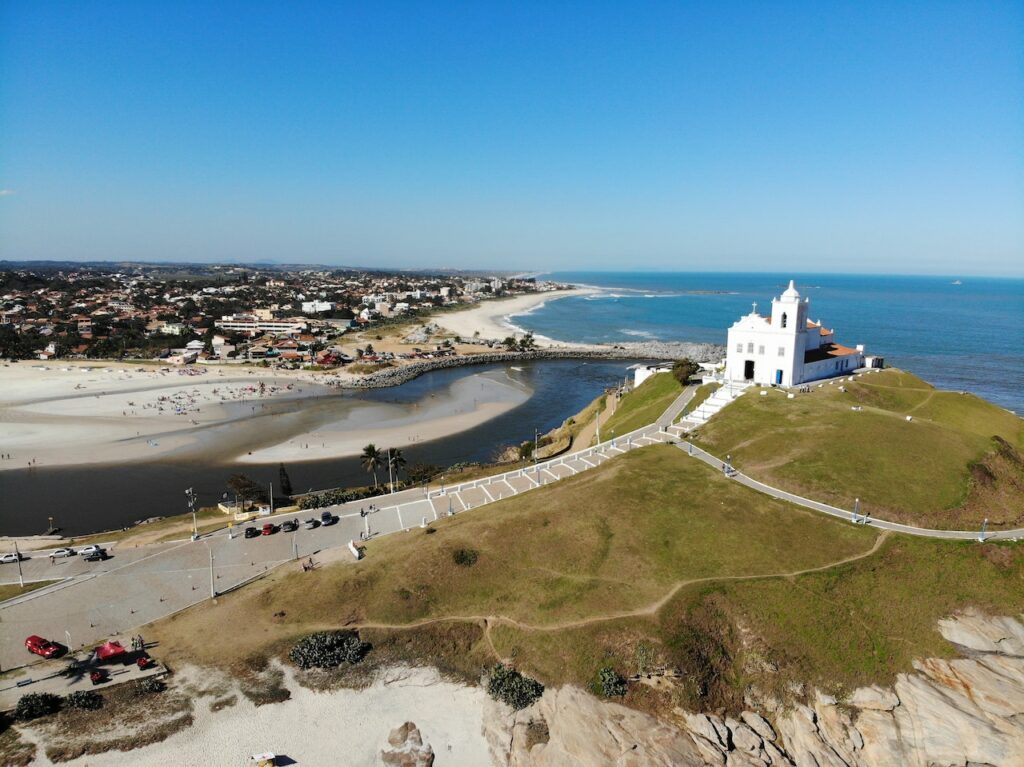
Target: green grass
700,396
918,472
643,405
650,550
12,590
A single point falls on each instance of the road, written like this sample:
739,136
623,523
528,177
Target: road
135,586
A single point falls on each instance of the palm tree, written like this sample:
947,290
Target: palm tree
395,461
371,460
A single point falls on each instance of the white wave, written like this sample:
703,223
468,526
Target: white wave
638,333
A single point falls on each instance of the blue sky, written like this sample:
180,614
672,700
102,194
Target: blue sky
865,137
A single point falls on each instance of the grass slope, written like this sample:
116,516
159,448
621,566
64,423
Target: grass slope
652,560
643,405
942,469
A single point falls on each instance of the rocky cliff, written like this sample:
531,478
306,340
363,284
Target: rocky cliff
966,711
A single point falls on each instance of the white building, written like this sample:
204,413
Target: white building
245,323
315,307
786,349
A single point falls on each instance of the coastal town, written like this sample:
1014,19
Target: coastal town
288,317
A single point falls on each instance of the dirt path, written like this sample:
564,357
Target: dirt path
586,435
489,621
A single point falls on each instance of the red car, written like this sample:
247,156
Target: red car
40,646
268,529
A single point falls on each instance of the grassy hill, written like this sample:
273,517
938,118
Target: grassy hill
651,560
955,463
643,405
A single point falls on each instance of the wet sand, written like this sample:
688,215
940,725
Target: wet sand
75,414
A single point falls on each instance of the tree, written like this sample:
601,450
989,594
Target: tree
684,370
284,480
396,461
506,684
526,343
246,489
610,684
371,460
419,473
328,649
510,343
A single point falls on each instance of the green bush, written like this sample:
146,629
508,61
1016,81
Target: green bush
328,649
337,496
89,700
37,704
152,684
465,557
610,684
506,684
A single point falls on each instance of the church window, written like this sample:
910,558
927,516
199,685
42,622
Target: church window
784,319
739,348
760,350
782,351
750,348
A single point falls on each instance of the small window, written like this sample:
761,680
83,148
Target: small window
739,348
750,348
760,350
784,319
782,351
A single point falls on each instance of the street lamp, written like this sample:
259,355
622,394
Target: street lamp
190,498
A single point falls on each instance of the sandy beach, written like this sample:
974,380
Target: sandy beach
74,413
495,319
343,727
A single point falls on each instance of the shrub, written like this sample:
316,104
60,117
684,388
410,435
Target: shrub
610,684
465,557
37,704
509,686
328,649
684,370
152,684
89,700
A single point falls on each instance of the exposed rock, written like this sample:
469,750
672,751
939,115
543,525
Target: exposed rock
743,738
873,697
701,724
758,724
406,748
584,731
975,631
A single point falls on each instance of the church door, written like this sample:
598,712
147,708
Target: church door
748,370
778,378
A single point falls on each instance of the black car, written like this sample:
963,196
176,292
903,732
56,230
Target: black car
95,556
326,518
252,532
290,526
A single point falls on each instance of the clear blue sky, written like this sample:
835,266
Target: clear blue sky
816,136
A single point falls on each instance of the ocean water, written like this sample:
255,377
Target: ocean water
967,336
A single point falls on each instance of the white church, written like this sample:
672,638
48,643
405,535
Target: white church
786,348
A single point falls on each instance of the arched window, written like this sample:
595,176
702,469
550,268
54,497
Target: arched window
783,319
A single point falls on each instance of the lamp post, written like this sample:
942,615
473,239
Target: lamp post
17,556
391,478
984,527
190,498
213,588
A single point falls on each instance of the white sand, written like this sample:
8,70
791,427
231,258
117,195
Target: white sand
344,727
72,414
496,319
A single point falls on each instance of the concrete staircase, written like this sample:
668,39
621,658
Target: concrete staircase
721,397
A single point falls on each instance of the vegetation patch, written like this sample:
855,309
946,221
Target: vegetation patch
328,649
15,751
465,557
509,686
955,462
642,406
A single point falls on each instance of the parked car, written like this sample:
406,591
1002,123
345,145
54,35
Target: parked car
61,553
251,532
311,523
268,529
40,646
290,526
326,518
91,549
9,558
95,556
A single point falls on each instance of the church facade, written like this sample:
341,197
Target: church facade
786,348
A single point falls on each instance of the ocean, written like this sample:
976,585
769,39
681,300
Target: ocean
965,334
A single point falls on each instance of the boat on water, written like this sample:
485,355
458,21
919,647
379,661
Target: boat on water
956,282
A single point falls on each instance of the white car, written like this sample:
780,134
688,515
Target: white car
61,553
8,558
93,549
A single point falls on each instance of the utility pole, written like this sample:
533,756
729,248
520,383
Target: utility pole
391,478
271,497
599,425
536,439
984,527
190,498
17,555
856,509
213,588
